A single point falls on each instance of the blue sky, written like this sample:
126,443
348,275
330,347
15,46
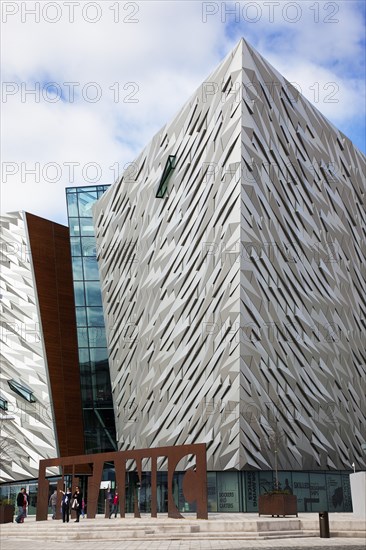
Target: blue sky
110,74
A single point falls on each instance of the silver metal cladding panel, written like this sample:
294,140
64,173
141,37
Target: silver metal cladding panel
235,305
27,429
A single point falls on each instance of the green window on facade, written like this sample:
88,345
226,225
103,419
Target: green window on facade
23,390
163,185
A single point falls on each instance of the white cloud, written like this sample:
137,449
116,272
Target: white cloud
164,57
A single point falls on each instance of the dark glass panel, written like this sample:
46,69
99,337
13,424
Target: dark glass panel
97,337
74,226
88,246
3,403
95,316
86,227
75,246
100,430
91,269
79,293
93,294
22,389
81,317
72,205
86,201
77,269
83,355
228,495
83,337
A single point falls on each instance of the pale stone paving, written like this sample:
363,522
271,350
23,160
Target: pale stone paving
33,535
328,544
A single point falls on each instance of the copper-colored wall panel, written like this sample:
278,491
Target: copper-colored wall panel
50,248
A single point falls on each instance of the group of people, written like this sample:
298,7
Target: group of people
22,504
69,502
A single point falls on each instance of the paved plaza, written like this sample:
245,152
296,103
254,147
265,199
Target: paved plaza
289,544
220,532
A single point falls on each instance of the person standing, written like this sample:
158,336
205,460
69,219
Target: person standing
53,503
65,505
78,497
21,500
114,505
26,503
109,500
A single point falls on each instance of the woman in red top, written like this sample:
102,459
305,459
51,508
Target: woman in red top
115,505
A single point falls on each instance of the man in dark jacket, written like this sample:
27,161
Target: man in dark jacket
21,503
65,504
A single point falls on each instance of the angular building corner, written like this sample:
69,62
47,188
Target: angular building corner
230,255
39,378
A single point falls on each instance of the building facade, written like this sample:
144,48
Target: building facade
39,379
230,256
230,274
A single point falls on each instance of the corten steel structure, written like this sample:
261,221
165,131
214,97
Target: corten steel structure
39,378
194,484
231,256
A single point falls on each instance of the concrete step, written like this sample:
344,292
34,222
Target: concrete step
242,527
138,535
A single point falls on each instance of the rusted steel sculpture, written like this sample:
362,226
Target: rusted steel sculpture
194,481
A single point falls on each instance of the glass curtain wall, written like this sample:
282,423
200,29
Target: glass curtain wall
99,424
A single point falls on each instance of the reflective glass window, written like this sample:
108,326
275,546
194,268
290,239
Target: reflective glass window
100,430
86,201
88,246
93,293
83,355
335,492
251,492
99,357
211,492
77,269
74,226
3,403
72,205
301,488
93,361
97,337
87,189
81,317
91,268
79,293
22,389
75,246
83,337
318,500
228,491
95,317
86,227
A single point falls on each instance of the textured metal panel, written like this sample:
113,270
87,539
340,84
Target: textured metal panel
38,346
27,429
235,305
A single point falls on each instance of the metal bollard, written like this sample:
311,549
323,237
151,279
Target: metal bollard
324,525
